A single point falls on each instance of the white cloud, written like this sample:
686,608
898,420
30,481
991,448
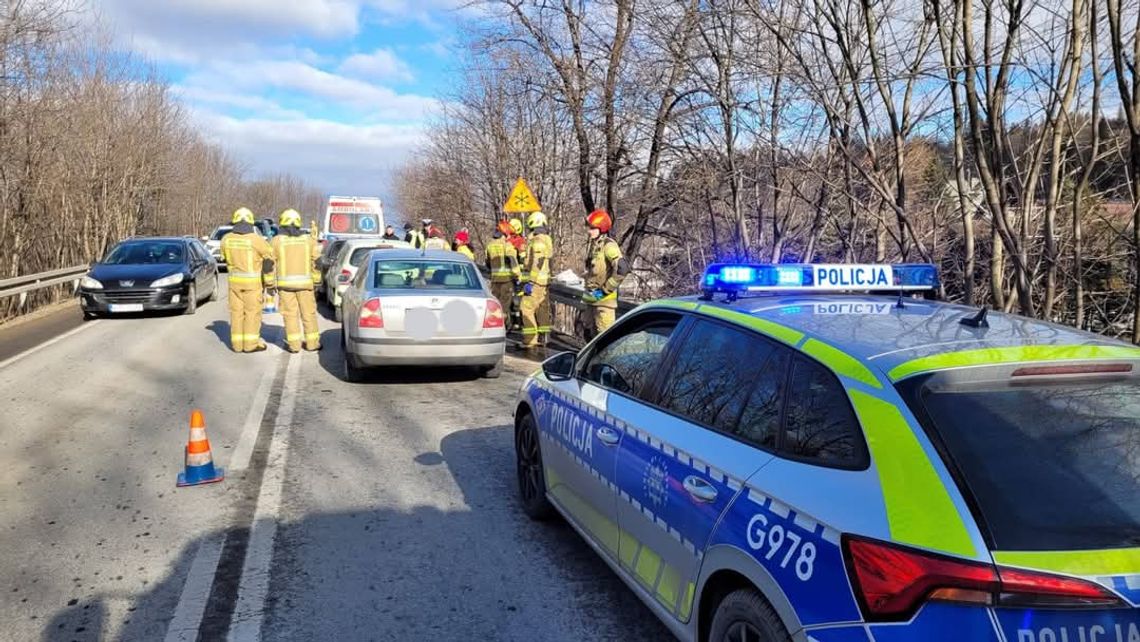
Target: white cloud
382,64
340,158
300,81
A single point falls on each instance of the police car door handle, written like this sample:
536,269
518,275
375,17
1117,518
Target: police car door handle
700,489
608,435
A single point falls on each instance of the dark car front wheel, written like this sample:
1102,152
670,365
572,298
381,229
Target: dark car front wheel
191,300
745,616
528,463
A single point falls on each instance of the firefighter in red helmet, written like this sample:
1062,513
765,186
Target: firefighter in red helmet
605,269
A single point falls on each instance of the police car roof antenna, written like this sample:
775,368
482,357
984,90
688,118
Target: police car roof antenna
900,305
978,320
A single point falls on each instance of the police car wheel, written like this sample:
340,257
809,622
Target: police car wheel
532,483
745,616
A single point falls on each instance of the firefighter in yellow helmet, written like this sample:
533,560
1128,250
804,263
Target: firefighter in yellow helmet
250,262
605,269
296,253
503,264
535,306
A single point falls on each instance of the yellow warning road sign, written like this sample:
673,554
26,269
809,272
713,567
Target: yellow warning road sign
521,200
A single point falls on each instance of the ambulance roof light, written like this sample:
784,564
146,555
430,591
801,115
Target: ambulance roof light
735,279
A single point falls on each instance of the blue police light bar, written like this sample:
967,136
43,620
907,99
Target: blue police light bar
806,277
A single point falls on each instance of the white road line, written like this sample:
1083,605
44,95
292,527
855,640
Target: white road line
196,591
34,349
239,459
250,609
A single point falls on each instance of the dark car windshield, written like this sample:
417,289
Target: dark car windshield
145,253
220,232
424,275
1051,466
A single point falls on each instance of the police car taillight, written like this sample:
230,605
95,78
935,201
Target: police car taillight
892,582
737,278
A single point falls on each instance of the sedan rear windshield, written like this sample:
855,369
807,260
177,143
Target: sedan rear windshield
220,232
424,275
1051,466
361,253
143,253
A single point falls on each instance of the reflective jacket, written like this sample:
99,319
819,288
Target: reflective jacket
605,269
539,250
502,261
245,256
415,237
296,258
465,250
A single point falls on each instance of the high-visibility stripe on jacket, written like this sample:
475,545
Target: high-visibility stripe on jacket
502,260
296,258
605,268
245,256
539,250
416,238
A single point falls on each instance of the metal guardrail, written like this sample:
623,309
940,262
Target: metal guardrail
565,307
22,285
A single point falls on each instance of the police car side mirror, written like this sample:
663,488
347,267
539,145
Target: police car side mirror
560,367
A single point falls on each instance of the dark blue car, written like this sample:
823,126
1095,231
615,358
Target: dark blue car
150,273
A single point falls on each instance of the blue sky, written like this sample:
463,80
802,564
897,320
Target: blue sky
334,91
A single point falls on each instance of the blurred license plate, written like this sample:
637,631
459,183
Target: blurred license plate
126,307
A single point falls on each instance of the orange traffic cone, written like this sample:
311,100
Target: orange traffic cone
199,462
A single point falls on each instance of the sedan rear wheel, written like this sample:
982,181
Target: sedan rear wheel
528,461
353,372
495,371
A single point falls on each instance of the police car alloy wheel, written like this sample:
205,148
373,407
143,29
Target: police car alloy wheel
528,458
744,616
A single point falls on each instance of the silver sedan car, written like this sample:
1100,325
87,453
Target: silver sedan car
421,308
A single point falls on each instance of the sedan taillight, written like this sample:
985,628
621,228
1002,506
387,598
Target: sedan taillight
370,316
494,315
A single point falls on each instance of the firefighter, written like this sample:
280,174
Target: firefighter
503,264
535,307
314,231
436,240
463,244
413,236
605,269
518,241
295,253
250,262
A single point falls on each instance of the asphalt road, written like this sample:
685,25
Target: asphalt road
384,510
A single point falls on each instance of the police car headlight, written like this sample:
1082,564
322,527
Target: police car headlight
90,283
173,279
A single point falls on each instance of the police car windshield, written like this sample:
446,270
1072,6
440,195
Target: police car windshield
145,253
1050,466
424,275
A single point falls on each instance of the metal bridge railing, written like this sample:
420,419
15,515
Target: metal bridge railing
566,305
21,285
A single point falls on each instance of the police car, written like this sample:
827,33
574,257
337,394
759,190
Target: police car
774,460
